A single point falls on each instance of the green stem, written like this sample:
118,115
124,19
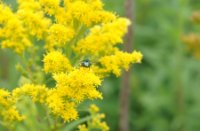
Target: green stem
55,124
27,68
180,114
80,31
49,120
74,124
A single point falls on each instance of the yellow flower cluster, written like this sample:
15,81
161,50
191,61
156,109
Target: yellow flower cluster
36,92
79,81
61,101
80,42
102,38
49,20
50,6
59,35
56,62
71,89
119,60
96,121
88,12
12,33
8,112
61,105
34,21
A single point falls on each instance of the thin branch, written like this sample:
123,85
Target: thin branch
125,85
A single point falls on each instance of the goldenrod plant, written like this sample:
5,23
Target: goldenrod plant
66,49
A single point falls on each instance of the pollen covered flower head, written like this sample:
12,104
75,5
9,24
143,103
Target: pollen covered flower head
50,6
8,111
60,106
88,12
51,98
12,32
96,121
79,81
59,35
38,93
94,109
55,62
114,63
102,39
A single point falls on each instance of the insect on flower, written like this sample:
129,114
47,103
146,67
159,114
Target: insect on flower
86,63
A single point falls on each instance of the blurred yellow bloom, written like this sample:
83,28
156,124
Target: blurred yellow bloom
193,43
12,32
95,122
55,62
82,127
196,16
94,108
5,99
38,93
57,104
11,114
8,110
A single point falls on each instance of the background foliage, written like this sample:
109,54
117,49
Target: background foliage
165,87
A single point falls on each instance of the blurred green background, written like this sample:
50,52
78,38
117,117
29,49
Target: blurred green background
165,88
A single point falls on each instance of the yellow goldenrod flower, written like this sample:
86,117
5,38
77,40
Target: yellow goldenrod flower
55,62
31,14
58,36
115,62
50,6
83,128
38,93
35,23
79,81
11,114
5,98
82,29
60,106
193,43
95,122
8,110
62,16
94,108
31,5
102,39
89,12
12,32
